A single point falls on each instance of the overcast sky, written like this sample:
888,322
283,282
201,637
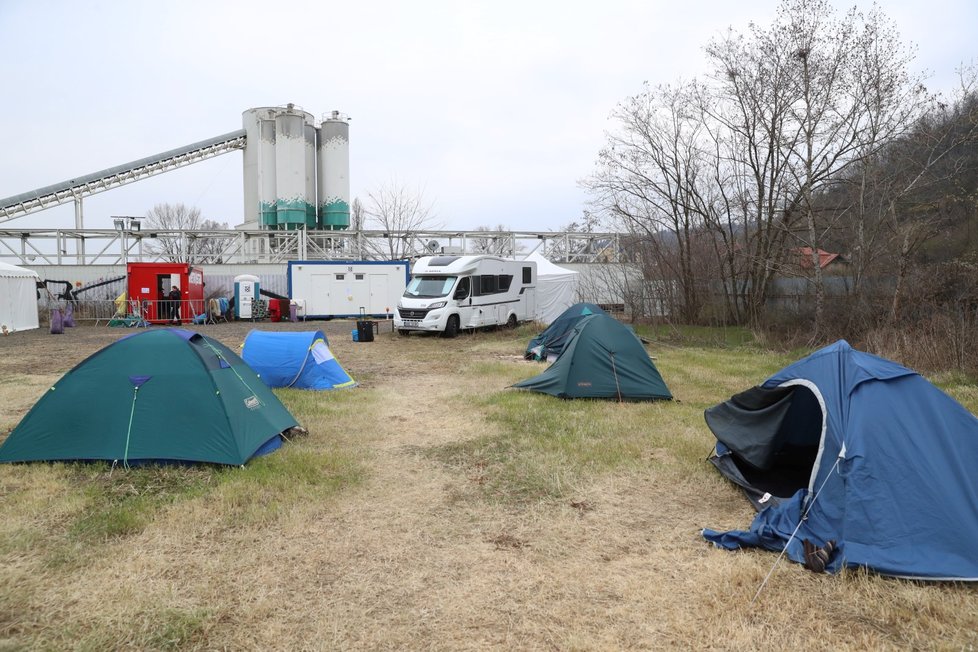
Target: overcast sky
493,110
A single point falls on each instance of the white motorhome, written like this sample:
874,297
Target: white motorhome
450,293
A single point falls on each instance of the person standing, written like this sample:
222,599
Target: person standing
174,297
163,305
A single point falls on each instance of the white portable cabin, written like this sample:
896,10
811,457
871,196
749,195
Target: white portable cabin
18,298
451,293
345,288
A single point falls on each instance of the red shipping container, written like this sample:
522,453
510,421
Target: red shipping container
149,285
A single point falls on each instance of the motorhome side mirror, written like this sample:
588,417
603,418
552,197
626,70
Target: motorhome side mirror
460,294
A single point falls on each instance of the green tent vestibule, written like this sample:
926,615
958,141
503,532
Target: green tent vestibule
602,358
157,396
550,343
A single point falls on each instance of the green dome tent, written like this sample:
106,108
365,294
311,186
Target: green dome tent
550,342
603,358
156,396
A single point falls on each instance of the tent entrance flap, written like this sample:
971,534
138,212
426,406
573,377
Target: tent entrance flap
768,440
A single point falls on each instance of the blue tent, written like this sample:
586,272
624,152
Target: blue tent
849,447
302,360
550,342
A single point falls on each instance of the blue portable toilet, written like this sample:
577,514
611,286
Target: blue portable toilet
848,447
302,360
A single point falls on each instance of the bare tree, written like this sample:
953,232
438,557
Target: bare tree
496,241
649,183
357,215
855,96
399,213
796,105
578,244
908,193
926,183
735,169
186,248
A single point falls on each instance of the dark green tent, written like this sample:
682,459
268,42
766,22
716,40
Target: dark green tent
551,341
157,396
603,358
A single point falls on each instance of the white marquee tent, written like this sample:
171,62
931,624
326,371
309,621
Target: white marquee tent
556,288
18,298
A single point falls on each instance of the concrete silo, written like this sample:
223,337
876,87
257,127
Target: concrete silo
259,166
310,150
333,149
290,168
249,120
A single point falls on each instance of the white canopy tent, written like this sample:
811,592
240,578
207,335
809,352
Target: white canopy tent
556,288
18,298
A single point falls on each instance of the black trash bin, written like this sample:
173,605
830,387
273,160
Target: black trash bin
365,331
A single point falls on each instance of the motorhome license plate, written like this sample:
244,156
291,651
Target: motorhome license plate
412,322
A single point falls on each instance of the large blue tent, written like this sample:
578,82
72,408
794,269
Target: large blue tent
295,359
848,447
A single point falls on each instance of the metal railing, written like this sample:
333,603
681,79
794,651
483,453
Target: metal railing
136,312
146,312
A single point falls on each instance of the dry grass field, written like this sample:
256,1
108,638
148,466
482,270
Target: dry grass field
430,508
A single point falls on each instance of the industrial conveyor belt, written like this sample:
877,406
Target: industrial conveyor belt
76,189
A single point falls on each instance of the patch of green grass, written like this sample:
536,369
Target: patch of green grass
161,628
547,445
115,519
269,486
709,336
527,330
960,386
950,379
503,374
706,376
176,628
305,404
121,502
329,416
540,447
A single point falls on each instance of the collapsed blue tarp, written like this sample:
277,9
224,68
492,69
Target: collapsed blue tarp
301,360
891,473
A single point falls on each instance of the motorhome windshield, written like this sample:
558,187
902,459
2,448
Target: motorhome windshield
429,287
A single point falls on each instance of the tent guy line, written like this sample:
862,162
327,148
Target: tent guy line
794,533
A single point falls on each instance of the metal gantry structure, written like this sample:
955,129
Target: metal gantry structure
132,242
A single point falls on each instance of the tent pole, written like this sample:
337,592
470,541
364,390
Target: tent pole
614,370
